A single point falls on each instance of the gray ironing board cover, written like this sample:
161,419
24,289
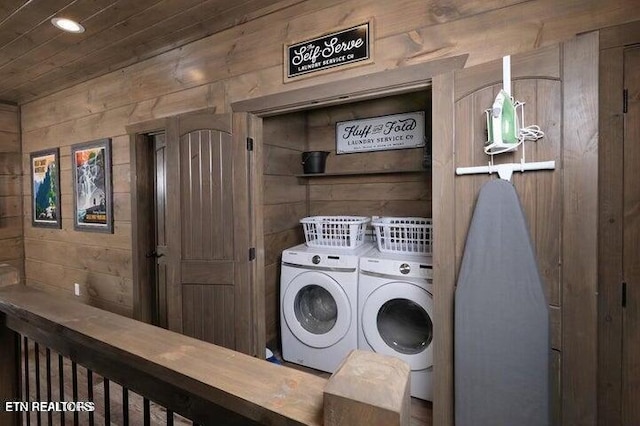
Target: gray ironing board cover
502,347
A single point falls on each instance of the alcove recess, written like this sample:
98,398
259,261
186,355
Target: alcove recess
382,183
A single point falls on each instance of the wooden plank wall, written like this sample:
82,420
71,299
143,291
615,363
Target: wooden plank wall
285,203
56,259
246,62
395,194
11,241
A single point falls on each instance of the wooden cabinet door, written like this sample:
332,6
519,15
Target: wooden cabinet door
559,86
208,230
631,243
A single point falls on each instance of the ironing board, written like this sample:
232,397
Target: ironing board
502,347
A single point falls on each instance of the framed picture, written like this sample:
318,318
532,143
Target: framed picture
45,189
92,192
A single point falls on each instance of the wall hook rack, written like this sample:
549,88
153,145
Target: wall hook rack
505,171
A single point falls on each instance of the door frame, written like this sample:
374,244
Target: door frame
370,86
374,85
142,205
142,235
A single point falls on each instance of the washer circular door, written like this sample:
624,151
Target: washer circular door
316,309
396,320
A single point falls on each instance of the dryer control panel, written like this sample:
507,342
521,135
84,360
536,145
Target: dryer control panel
408,268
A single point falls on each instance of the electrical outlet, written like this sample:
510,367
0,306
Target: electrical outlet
76,289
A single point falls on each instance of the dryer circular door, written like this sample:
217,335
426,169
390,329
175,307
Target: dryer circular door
316,309
396,320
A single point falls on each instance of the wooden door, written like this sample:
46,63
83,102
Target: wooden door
159,308
559,86
208,230
631,243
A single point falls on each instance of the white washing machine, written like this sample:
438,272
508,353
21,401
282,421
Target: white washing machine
395,308
319,305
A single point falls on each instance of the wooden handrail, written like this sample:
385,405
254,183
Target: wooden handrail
206,383
201,381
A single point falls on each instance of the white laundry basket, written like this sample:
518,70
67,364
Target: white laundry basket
345,232
405,235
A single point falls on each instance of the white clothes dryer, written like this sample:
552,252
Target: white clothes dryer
318,305
395,308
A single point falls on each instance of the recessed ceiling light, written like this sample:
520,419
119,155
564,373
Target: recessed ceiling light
67,25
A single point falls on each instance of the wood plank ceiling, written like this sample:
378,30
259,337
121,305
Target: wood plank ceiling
37,59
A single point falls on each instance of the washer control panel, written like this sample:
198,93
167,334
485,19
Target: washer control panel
321,260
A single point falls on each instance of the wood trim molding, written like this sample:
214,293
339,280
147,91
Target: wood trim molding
400,80
444,268
147,126
580,225
140,205
257,268
610,231
620,35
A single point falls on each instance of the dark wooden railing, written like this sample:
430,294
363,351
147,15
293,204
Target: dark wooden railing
171,377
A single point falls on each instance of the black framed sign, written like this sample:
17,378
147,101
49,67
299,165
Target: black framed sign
45,188
388,132
92,197
332,50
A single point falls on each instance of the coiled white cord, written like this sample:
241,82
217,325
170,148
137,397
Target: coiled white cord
530,133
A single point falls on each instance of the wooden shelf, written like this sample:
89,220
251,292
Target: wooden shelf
365,172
